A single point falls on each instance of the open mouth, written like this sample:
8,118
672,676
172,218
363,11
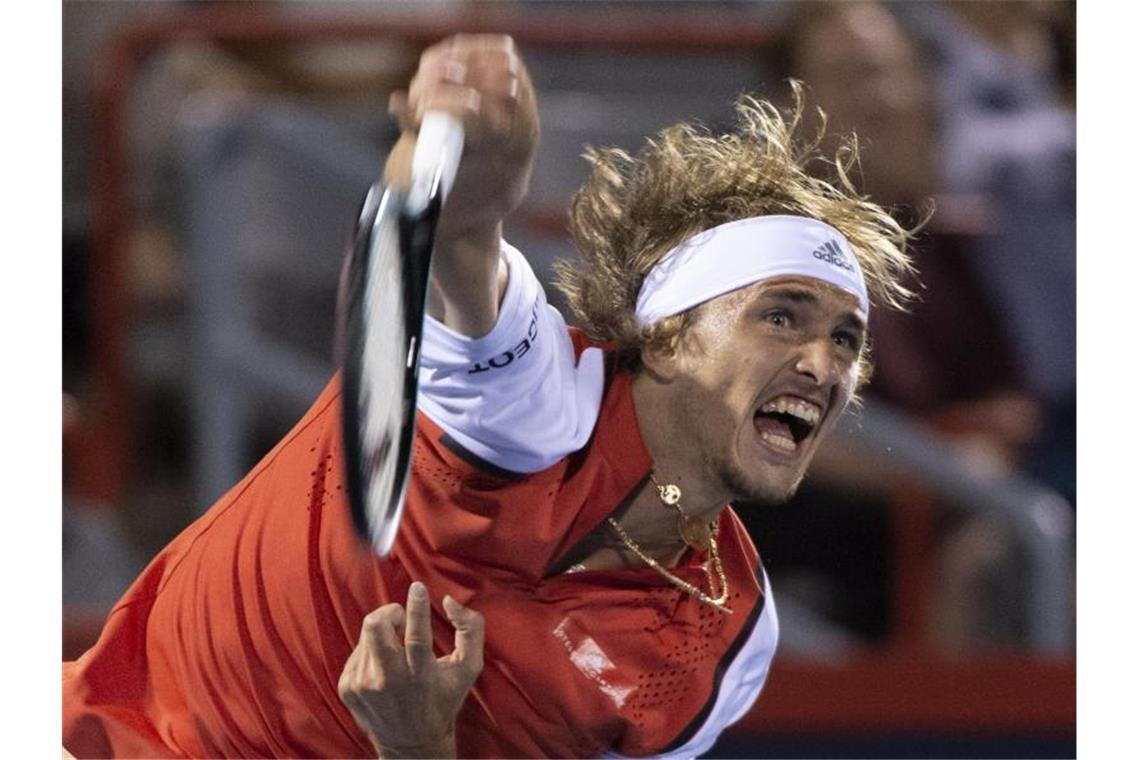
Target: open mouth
785,421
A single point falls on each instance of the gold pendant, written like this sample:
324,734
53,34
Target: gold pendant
669,494
695,532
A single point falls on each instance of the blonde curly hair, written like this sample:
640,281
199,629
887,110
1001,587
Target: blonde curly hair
634,209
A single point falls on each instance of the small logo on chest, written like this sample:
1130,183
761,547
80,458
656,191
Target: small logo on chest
591,661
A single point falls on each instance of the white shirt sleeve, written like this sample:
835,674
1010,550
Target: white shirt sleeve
516,397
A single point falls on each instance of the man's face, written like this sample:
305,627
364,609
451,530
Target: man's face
761,376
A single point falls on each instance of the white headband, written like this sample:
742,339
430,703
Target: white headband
737,254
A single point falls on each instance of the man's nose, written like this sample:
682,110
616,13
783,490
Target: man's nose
817,360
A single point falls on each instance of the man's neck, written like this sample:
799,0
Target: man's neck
676,460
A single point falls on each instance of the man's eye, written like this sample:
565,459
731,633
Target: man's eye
846,340
778,317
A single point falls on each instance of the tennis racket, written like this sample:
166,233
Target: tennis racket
382,319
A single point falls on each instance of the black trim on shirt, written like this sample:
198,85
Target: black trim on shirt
456,448
590,543
695,724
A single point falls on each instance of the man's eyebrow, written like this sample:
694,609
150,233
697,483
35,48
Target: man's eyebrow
794,294
802,295
854,322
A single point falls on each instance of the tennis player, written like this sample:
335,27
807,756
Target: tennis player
568,579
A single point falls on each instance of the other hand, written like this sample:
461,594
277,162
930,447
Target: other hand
402,695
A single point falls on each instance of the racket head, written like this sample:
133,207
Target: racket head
381,326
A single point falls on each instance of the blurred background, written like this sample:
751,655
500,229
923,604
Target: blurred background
213,158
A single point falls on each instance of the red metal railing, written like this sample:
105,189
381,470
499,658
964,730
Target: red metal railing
908,686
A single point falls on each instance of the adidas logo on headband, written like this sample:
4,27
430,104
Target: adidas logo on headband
833,254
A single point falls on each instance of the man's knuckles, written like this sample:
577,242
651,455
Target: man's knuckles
489,107
392,612
482,42
372,675
360,690
497,73
381,620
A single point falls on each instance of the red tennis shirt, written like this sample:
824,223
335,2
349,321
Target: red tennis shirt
232,640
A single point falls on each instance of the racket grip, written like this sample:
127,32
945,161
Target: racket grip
435,159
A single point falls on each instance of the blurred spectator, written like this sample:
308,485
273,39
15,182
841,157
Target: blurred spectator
864,71
1006,81
964,359
997,258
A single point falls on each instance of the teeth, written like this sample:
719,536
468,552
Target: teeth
779,441
804,410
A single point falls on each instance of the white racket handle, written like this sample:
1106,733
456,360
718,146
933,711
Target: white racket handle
436,157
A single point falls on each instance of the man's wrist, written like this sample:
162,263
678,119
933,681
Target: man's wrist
443,747
467,287
471,241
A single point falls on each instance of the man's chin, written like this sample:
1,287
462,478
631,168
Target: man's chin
757,490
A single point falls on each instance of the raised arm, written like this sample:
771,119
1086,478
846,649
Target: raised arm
481,79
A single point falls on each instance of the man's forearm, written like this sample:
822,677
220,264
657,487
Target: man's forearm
481,80
468,281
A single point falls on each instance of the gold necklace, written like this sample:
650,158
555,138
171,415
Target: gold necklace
671,496
695,532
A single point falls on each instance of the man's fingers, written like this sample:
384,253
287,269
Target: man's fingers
433,72
491,73
468,635
482,86
417,629
484,115
456,99
380,634
398,107
467,44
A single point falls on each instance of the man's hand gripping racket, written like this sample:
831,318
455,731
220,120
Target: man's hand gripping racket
383,315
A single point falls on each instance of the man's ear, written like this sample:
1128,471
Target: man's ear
660,361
